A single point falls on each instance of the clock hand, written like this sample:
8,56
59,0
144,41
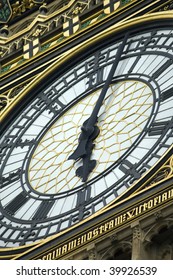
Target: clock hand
88,165
88,127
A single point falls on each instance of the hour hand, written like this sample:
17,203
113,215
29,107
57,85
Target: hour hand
84,150
80,150
88,165
88,134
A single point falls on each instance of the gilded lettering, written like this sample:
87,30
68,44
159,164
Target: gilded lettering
64,249
164,196
111,224
72,245
143,207
58,252
130,214
170,194
116,222
89,235
49,256
106,227
95,232
124,217
78,241
136,211
101,229
150,204
156,200
120,219
53,255
83,238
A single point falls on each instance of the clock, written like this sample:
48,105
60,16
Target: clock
90,129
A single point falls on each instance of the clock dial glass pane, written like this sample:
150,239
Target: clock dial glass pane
123,116
40,193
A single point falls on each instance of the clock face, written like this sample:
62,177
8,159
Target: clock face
42,192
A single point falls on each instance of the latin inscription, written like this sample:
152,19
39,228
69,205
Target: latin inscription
108,226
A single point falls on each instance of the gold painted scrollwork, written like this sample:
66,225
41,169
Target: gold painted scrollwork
20,7
3,102
7,98
164,173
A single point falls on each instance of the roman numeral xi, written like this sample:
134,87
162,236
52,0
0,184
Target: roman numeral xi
167,94
157,128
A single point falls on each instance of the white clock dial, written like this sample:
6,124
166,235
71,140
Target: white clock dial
41,193
125,112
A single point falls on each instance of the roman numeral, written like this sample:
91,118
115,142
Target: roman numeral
28,234
43,210
25,143
14,176
167,94
95,78
57,107
5,144
17,203
150,40
94,64
129,169
54,106
162,69
157,128
3,148
83,196
29,118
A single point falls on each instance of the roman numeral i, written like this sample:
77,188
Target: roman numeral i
157,128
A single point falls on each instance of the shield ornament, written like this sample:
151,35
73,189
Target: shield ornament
111,5
5,11
71,26
31,49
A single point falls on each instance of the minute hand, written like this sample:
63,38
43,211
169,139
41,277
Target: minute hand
88,128
94,115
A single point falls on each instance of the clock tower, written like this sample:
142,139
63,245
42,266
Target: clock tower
86,145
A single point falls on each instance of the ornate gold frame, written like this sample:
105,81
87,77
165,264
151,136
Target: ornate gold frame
116,28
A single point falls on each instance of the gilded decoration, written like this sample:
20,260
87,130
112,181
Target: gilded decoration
8,97
167,6
5,11
16,38
43,21
164,173
39,24
19,7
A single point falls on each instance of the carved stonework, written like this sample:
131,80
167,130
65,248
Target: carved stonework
158,215
113,238
139,251
118,250
92,252
136,233
166,252
157,227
